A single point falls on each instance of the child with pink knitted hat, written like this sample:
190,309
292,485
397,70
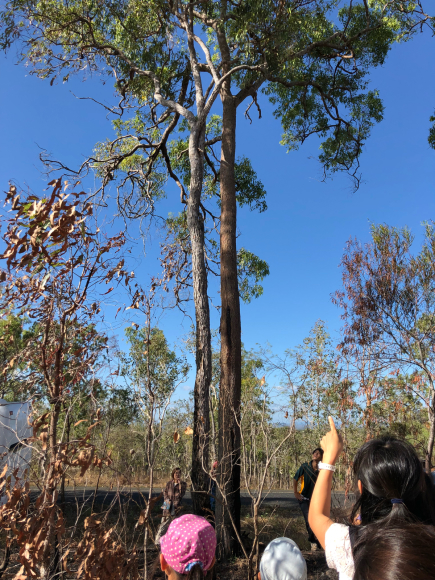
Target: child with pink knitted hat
188,548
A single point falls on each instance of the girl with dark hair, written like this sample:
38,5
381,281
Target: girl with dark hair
188,548
394,492
395,553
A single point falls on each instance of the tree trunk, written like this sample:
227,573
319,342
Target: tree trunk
430,443
48,562
201,416
230,331
62,484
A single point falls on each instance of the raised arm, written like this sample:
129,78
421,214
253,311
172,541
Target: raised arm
320,506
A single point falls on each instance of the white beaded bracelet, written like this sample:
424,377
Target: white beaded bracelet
327,466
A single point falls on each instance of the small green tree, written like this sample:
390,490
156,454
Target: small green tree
13,337
152,372
389,309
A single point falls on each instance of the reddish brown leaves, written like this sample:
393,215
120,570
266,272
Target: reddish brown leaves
144,514
101,556
41,421
46,223
55,266
48,243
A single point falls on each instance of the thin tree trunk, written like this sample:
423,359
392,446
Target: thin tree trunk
201,416
431,440
49,543
62,484
212,430
230,330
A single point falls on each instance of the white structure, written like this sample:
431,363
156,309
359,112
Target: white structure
14,430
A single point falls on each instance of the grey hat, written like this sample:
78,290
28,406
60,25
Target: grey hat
282,560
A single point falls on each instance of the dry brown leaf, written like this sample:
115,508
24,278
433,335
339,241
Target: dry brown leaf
44,437
141,519
188,431
176,437
263,380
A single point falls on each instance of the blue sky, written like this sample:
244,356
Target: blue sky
304,231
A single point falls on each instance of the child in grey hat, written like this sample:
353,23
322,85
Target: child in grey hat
282,560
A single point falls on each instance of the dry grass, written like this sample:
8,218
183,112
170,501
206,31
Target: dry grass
279,522
275,522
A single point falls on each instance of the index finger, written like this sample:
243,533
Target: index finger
332,424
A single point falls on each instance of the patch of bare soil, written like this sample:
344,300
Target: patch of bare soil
317,568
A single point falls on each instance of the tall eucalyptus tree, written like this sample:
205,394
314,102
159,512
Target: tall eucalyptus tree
173,61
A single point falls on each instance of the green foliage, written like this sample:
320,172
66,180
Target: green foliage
398,407
176,454
389,311
13,338
120,407
312,60
250,191
252,366
251,270
177,225
318,394
327,94
151,366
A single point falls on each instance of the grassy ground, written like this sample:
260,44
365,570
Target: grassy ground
274,522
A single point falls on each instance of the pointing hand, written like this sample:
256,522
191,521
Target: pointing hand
332,444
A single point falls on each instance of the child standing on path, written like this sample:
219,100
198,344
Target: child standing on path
395,493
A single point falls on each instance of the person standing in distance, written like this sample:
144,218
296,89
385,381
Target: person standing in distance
173,495
306,475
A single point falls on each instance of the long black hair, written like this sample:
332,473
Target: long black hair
395,553
389,468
